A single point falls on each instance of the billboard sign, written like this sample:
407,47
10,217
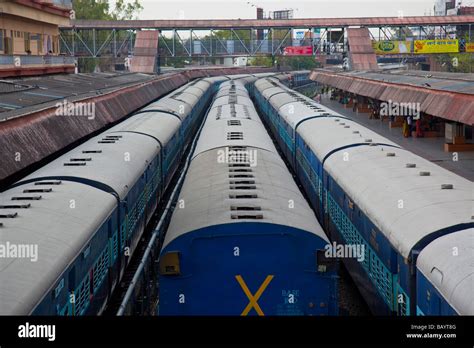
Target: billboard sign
299,35
298,51
391,47
436,46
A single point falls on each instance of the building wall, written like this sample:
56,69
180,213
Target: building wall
22,34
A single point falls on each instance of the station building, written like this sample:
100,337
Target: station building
29,37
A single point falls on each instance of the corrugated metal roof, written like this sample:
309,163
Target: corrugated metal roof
449,98
37,92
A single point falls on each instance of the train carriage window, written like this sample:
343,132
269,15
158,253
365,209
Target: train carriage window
58,288
86,252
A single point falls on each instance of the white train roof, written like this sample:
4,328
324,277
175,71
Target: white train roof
229,90
377,179
213,185
239,76
231,99
210,199
203,84
216,79
123,159
265,83
276,93
216,133
448,263
196,90
59,231
159,125
239,111
295,112
174,106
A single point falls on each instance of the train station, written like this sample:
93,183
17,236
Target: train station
255,160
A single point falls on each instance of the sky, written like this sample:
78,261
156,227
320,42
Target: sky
233,9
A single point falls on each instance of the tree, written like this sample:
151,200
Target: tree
100,10
298,62
91,9
261,61
129,10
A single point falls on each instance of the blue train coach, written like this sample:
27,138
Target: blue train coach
242,239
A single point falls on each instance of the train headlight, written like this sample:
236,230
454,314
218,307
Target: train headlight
169,263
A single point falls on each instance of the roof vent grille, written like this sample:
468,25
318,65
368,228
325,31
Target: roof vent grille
410,165
234,123
74,164
233,165
26,198
240,170
37,190
8,216
243,187
425,173
57,182
246,217
15,206
235,136
245,208
447,186
86,159
253,196
236,176
242,182
390,154
92,151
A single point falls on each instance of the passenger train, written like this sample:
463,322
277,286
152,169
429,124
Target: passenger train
242,239
84,213
413,218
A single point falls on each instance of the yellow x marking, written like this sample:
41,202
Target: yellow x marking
253,299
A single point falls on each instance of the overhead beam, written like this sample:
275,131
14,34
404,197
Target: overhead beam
183,24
